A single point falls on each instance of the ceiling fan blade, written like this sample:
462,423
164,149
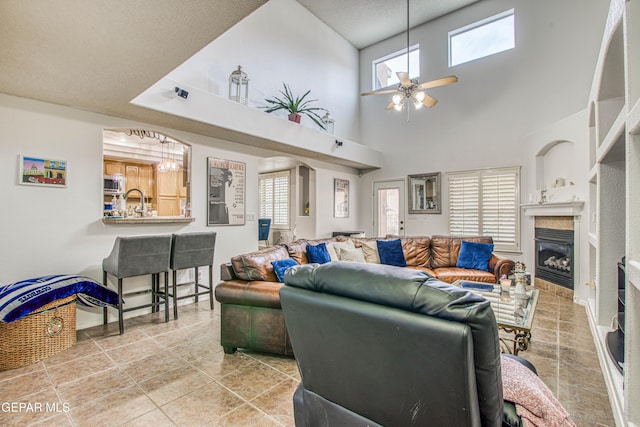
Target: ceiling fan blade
404,78
438,82
429,101
379,92
390,106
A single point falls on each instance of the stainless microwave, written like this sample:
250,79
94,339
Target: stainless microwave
114,184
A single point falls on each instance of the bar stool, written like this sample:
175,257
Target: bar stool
192,250
138,256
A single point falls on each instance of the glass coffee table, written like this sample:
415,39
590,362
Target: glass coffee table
514,313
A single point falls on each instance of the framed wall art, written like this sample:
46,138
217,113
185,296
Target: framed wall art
340,198
44,172
226,192
424,193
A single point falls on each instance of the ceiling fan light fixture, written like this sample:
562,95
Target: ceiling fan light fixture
397,99
419,96
398,107
418,105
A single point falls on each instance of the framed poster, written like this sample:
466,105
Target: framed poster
45,172
226,192
340,198
424,193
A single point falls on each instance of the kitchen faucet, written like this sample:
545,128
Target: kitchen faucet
143,209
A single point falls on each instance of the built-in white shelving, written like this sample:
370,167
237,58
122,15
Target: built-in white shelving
614,200
633,119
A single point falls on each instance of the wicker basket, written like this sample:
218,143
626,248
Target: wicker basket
43,333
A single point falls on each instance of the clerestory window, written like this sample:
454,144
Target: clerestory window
483,38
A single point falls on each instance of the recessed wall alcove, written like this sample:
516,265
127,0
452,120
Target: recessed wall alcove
556,172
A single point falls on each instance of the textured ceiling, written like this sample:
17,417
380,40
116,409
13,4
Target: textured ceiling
365,22
98,55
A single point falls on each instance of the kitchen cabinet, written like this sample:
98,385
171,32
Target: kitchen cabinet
141,177
170,191
113,168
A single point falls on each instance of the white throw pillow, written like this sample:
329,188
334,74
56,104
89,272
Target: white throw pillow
333,247
370,251
351,255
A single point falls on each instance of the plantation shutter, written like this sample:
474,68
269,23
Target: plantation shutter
274,198
464,212
485,202
500,211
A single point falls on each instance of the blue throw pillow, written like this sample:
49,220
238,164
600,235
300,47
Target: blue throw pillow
318,254
475,255
390,252
281,266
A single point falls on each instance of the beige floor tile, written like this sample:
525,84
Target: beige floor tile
150,366
155,418
115,340
60,420
171,360
173,384
544,335
39,407
220,364
284,364
244,416
581,342
12,373
278,401
12,389
252,380
127,403
134,351
196,349
81,349
93,387
79,368
203,405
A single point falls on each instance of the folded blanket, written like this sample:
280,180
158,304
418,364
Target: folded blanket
535,403
21,298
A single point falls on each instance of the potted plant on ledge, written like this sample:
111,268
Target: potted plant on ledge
296,106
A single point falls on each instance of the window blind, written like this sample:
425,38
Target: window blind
485,202
274,198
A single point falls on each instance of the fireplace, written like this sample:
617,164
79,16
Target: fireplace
554,256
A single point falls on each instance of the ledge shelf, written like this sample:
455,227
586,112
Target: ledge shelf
253,127
148,220
574,208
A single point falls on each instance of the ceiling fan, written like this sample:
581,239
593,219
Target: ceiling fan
410,91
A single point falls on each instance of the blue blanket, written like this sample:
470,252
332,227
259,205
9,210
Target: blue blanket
21,298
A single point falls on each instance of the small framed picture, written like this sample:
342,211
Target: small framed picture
340,198
44,172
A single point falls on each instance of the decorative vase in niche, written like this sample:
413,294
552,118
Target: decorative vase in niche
295,117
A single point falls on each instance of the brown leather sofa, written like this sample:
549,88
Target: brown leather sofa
251,315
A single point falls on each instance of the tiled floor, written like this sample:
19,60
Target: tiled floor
176,374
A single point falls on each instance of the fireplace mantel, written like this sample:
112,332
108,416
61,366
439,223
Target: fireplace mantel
553,209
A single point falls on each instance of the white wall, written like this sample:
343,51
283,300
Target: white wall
574,153
59,230
481,121
282,42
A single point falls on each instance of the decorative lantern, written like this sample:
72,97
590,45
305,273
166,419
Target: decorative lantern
239,86
328,123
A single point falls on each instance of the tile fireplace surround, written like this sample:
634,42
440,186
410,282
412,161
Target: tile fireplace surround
559,216
555,223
